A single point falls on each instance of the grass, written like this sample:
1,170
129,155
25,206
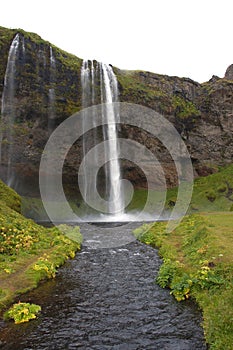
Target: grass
29,253
184,108
214,192
135,90
210,193
198,264
9,197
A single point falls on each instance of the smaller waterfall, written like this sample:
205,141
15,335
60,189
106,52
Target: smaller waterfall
8,112
51,115
51,97
87,84
23,47
102,75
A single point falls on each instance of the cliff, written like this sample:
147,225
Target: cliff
47,90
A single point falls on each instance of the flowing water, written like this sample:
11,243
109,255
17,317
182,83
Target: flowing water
113,173
86,83
8,112
93,75
52,81
107,299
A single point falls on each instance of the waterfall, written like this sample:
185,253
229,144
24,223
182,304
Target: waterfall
8,107
86,93
91,76
23,47
112,169
51,96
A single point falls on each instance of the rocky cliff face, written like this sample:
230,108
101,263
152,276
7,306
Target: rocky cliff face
202,113
47,90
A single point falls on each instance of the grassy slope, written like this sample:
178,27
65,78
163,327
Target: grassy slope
198,263
211,193
197,255
9,197
214,192
29,253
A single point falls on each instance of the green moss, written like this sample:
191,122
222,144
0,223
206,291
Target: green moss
183,108
67,59
133,89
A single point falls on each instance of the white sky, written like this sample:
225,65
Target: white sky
191,38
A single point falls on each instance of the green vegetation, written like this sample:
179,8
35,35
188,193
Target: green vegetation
22,312
198,263
29,253
6,36
183,108
10,197
213,192
134,89
210,193
197,255
33,207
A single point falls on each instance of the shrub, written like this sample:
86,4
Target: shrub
46,267
166,273
22,312
181,287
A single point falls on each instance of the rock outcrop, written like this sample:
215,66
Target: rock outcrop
202,113
229,73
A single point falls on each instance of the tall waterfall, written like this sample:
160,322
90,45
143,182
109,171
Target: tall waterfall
8,107
93,75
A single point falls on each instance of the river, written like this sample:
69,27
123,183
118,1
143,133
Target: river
107,298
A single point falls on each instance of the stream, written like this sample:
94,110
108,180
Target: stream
107,298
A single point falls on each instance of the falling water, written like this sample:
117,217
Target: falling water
52,80
23,46
113,174
109,94
86,82
52,58
8,106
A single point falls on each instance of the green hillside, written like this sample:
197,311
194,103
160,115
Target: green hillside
29,253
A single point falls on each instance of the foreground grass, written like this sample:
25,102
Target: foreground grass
29,253
198,263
